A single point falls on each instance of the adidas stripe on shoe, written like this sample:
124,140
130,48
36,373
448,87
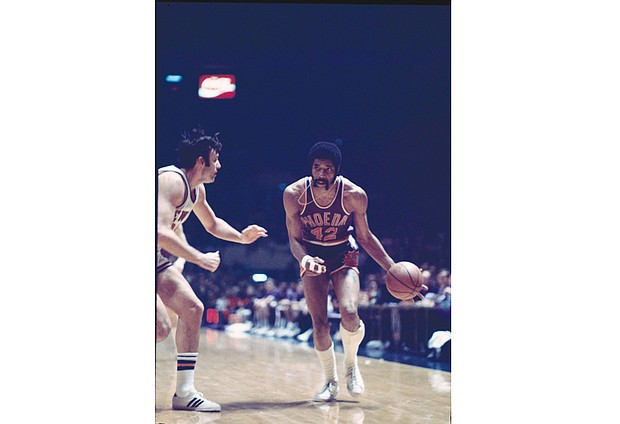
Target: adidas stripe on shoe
194,402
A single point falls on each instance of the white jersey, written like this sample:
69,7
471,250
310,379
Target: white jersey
181,213
183,210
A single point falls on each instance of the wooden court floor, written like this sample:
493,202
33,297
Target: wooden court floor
262,380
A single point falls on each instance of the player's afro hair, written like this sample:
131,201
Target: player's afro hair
325,150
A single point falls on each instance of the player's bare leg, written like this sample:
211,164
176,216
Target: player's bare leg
163,325
177,294
347,287
315,292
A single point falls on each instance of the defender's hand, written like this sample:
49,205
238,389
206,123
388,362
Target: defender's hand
210,261
252,233
311,267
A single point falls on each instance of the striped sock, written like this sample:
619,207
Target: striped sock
186,362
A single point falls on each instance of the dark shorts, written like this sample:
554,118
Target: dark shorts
336,257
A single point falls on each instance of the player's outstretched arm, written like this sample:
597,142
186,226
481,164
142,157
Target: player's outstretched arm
220,228
358,204
251,233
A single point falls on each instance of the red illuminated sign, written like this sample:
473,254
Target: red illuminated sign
217,86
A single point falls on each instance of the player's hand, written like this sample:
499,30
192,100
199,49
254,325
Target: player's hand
423,289
311,266
252,233
210,261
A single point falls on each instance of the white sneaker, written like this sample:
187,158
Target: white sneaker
305,336
328,392
194,402
355,383
293,332
262,330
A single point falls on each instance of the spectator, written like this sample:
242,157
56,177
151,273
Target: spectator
291,307
374,293
262,309
444,300
443,280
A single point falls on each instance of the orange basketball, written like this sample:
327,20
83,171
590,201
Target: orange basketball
404,280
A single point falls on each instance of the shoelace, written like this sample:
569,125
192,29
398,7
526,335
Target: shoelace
351,372
329,387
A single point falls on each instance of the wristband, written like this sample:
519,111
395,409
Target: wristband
308,263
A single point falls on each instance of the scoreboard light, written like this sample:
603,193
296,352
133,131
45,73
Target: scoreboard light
259,278
217,86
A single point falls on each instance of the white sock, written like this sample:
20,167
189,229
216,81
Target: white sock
350,343
186,362
328,360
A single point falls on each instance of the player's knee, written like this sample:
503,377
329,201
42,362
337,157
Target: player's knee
348,311
192,313
161,334
162,330
197,309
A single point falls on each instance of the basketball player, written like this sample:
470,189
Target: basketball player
181,191
321,212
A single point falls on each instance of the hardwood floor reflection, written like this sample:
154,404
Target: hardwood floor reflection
261,380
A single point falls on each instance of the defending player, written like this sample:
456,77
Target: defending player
321,212
181,191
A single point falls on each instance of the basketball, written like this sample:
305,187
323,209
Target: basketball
404,280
